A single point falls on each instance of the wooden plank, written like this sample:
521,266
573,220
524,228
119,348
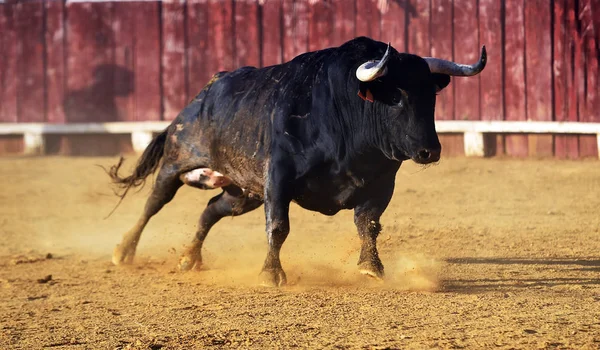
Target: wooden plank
321,25
55,61
393,26
592,55
11,145
441,47
578,88
572,77
30,65
125,36
91,145
198,56
8,64
288,30
564,146
491,96
466,50
247,26
452,145
538,60
90,63
147,90
272,33
220,40
344,25
368,19
587,112
492,104
174,63
295,28
514,83
596,18
3,30
418,28
594,62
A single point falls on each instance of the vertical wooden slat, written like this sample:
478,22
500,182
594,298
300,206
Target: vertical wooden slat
90,63
589,58
514,84
174,88
288,30
220,40
571,142
344,25
8,93
593,54
55,61
8,66
272,32
393,26
491,36
125,36
564,146
368,19
247,45
441,47
295,23
137,90
418,27
441,29
147,91
466,50
559,67
538,60
321,25
578,88
197,50
30,64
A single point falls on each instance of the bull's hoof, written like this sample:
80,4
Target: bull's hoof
371,269
122,255
188,261
272,278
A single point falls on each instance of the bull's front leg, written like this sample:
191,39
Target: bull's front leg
366,218
277,206
369,228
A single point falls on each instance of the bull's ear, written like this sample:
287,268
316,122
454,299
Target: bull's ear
440,81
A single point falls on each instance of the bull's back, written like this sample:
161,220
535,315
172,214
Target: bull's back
235,115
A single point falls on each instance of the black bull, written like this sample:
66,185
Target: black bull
327,130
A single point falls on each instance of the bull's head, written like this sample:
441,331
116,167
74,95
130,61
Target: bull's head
404,88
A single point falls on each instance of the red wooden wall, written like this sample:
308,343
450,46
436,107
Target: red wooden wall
74,61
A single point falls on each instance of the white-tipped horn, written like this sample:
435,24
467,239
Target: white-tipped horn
371,70
437,65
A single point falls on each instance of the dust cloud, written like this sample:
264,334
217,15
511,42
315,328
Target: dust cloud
313,264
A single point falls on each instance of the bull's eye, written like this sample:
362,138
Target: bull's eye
398,98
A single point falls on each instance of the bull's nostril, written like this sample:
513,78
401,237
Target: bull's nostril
424,154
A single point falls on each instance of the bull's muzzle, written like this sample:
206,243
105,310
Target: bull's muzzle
426,155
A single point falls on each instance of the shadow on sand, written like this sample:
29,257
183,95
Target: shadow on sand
566,272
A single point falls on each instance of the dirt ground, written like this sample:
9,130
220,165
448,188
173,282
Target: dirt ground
479,253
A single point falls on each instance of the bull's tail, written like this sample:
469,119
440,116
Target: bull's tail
146,165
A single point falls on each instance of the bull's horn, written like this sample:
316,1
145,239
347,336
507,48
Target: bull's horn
373,69
437,65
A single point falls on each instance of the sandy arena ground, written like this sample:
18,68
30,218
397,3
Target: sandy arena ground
479,254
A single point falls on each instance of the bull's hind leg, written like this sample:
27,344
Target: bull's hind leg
167,184
277,206
231,202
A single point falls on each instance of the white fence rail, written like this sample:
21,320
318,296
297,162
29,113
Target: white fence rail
142,132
